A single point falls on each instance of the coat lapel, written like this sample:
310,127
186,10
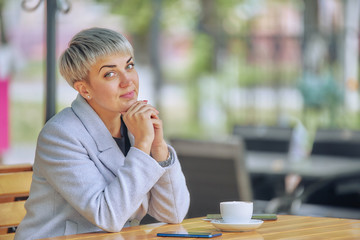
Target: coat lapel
109,153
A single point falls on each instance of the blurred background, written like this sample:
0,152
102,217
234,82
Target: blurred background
214,69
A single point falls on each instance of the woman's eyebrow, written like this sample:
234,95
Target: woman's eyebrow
109,66
112,66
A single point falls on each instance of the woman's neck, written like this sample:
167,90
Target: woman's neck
111,119
112,123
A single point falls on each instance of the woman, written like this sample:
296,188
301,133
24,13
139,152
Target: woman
102,164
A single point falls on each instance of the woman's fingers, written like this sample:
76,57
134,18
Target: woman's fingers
142,121
142,107
136,106
157,122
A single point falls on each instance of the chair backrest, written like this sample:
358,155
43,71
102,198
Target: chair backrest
337,142
261,138
9,236
11,214
14,185
15,168
215,171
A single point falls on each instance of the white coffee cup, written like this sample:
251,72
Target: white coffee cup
236,211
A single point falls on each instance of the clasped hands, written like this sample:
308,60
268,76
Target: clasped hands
144,124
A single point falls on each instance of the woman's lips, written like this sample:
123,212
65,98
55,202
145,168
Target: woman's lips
128,95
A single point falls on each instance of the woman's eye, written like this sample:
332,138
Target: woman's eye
109,74
130,66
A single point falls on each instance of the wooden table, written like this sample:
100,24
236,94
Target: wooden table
286,227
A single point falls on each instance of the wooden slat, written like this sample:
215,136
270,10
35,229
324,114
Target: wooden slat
15,184
15,168
9,236
11,213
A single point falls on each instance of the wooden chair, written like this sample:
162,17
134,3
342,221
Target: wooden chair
215,171
9,236
11,215
14,185
15,168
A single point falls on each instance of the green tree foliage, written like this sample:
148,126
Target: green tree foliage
137,13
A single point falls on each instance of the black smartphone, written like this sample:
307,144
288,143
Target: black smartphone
189,234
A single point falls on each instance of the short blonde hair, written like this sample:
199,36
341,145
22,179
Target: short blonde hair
86,47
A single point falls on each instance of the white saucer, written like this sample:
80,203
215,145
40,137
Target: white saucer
237,227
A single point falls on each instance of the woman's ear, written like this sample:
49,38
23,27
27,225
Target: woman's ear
82,88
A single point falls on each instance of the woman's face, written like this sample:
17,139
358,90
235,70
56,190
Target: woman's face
113,84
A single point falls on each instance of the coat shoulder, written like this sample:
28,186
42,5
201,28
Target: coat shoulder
66,120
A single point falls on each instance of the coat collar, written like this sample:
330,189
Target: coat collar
93,124
110,154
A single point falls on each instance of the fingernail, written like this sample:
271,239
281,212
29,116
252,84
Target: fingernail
145,101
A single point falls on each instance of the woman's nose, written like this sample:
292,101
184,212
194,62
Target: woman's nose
125,81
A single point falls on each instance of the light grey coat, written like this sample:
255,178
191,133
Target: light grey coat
82,182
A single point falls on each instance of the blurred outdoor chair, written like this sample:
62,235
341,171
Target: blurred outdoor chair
267,140
337,196
264,138
337,142
215,171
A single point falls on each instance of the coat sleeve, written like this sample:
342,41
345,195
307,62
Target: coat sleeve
170,199
65,163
